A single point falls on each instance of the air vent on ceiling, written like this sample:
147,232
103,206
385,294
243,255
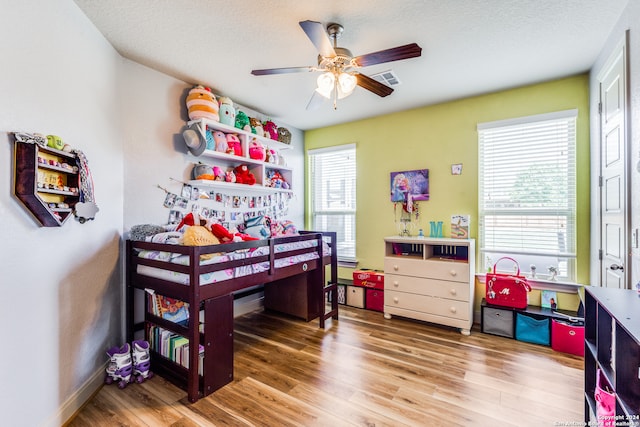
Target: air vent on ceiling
388,78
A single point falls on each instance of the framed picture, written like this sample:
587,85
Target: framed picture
549,299
410,186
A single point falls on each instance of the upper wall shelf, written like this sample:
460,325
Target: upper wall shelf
46,181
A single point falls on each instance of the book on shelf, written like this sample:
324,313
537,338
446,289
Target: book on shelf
170,309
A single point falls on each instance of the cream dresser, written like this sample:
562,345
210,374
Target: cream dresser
430,279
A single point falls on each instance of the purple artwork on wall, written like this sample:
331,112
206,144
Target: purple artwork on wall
410,186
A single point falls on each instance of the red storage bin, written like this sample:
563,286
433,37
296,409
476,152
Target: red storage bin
374,300
567,337
368,279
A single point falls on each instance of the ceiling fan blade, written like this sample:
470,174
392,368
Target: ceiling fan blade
286,70
315,101
394,54
319,37
372,85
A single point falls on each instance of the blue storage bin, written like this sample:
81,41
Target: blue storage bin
533,330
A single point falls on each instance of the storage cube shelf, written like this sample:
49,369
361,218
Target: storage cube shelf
502,321
612,344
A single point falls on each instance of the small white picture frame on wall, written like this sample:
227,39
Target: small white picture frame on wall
456,169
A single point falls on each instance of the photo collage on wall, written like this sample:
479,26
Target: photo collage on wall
231,210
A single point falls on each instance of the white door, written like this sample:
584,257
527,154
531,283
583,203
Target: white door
613,182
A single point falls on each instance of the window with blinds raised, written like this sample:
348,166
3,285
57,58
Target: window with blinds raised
333,196
527,194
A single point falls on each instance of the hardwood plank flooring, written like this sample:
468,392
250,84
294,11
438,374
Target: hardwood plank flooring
362,370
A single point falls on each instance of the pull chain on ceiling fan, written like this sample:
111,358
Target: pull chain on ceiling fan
339,67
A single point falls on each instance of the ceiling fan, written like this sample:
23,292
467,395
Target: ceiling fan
339,67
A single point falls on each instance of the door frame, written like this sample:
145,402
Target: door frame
621,48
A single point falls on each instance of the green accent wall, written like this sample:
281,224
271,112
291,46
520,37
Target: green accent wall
435,137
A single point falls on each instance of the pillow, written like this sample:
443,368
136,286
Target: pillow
258,227
283,228
198,235
142,231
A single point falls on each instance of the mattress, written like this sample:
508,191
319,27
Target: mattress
229,273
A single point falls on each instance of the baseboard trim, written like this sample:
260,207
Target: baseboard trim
78,399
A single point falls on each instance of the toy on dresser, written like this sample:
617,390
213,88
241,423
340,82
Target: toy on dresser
202,104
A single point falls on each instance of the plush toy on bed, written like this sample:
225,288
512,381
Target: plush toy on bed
244,176
225,236
197,233
202,104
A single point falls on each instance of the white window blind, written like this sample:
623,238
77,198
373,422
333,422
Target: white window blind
527,193
333,196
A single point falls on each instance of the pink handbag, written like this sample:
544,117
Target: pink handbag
605,402
507,290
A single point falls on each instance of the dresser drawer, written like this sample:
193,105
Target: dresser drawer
427,304
433,287
432,268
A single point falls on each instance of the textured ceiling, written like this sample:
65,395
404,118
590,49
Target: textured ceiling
469,47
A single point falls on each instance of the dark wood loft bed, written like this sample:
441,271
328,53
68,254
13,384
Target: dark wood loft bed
297,289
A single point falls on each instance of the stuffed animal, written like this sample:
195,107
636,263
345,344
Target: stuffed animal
244,176
256,150
229,176
220,140
276,180
225,236
256,126
202,171
235,146
271,130
202,104
272,156
242,121
227,111
218,173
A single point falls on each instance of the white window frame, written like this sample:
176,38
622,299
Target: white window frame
526,229
346,243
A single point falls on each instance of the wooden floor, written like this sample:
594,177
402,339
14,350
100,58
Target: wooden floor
362,371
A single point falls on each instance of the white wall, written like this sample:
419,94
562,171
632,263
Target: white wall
62,287
630,20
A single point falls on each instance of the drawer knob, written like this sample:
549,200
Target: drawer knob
454,273
395,299
395,283
453,309
395,267
454,292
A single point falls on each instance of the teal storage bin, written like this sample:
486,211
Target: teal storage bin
533,330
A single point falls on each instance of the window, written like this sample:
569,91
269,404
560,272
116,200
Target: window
333,196
527,193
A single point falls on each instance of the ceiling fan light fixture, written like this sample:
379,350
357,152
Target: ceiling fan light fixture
326,82
347,83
